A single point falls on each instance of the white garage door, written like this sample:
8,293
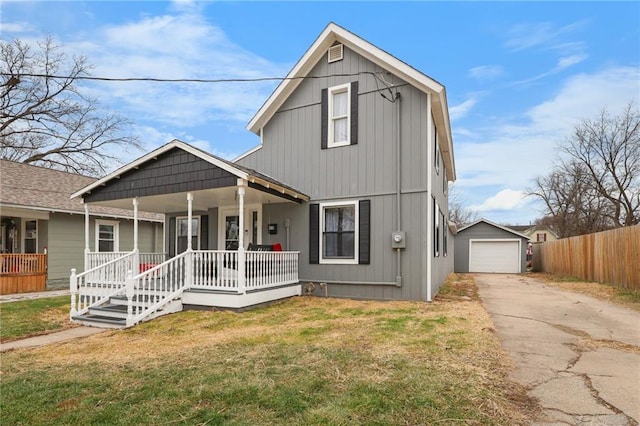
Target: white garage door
494,256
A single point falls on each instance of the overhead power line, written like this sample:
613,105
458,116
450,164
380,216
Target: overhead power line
183,80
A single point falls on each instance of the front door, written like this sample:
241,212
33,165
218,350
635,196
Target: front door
229,227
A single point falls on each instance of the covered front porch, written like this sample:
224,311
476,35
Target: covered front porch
215,254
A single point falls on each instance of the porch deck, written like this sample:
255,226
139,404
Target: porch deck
110,295
23,273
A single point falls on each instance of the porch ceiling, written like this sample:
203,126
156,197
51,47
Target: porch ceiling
202,200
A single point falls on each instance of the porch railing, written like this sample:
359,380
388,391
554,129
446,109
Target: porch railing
152,289
96,285
271,268
95,259
23,264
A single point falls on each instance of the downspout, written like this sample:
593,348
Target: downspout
398,191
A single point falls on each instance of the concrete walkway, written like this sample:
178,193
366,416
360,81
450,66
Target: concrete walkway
45,339
579,356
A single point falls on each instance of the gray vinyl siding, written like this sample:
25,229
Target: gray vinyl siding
66,245
485,231
66,241
292,153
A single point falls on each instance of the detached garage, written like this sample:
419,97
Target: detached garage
484,246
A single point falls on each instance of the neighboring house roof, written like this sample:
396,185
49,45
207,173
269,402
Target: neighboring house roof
235,169
488,222
531,229
38,188
334,33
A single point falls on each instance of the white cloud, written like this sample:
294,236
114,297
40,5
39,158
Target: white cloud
16,27
542,34
458,111
506,199
486,72
179,46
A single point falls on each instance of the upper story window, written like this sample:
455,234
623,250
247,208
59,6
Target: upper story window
541,237
339,118
107,236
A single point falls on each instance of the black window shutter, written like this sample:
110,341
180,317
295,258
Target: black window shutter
314,233
324,119
364,230
172,237
354,112
204,232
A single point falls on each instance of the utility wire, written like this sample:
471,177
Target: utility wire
184,80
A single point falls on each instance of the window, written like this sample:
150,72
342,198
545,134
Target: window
436,229
339,120
339,97
182,234
30,236
339,238
107,236
541,237
340,232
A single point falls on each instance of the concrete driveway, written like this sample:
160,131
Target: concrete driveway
579,356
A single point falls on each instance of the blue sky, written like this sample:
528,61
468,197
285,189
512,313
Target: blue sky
519,75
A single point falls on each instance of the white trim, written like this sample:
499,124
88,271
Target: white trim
23,229
429,260
497,240
234,211
331,53
356,233
331,91
116,234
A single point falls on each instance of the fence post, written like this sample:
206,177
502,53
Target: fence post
73,288
129,284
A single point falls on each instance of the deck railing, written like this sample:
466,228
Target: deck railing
271,268
23,273
96,285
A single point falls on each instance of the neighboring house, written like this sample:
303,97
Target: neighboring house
536,233
349,184
484,246
37,214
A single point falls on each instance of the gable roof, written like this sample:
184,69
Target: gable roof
239,171
32,187
488,222
334,33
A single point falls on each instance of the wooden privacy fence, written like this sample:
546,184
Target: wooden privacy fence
611,257
23,273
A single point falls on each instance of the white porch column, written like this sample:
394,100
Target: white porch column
189,217
136,251
188,273
241,254
135,224
86,237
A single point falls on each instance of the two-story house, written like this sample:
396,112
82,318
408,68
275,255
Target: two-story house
346,196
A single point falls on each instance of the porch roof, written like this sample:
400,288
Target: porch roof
160,179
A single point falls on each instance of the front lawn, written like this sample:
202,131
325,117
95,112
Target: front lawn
304,361
26,318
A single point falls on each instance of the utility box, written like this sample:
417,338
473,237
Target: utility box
398,240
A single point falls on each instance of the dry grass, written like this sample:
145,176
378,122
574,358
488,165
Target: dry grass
627,298
319,361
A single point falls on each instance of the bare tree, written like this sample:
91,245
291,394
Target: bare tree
598,186
609,149
459,213
572,205
45,119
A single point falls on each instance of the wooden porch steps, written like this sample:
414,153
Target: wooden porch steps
113,314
